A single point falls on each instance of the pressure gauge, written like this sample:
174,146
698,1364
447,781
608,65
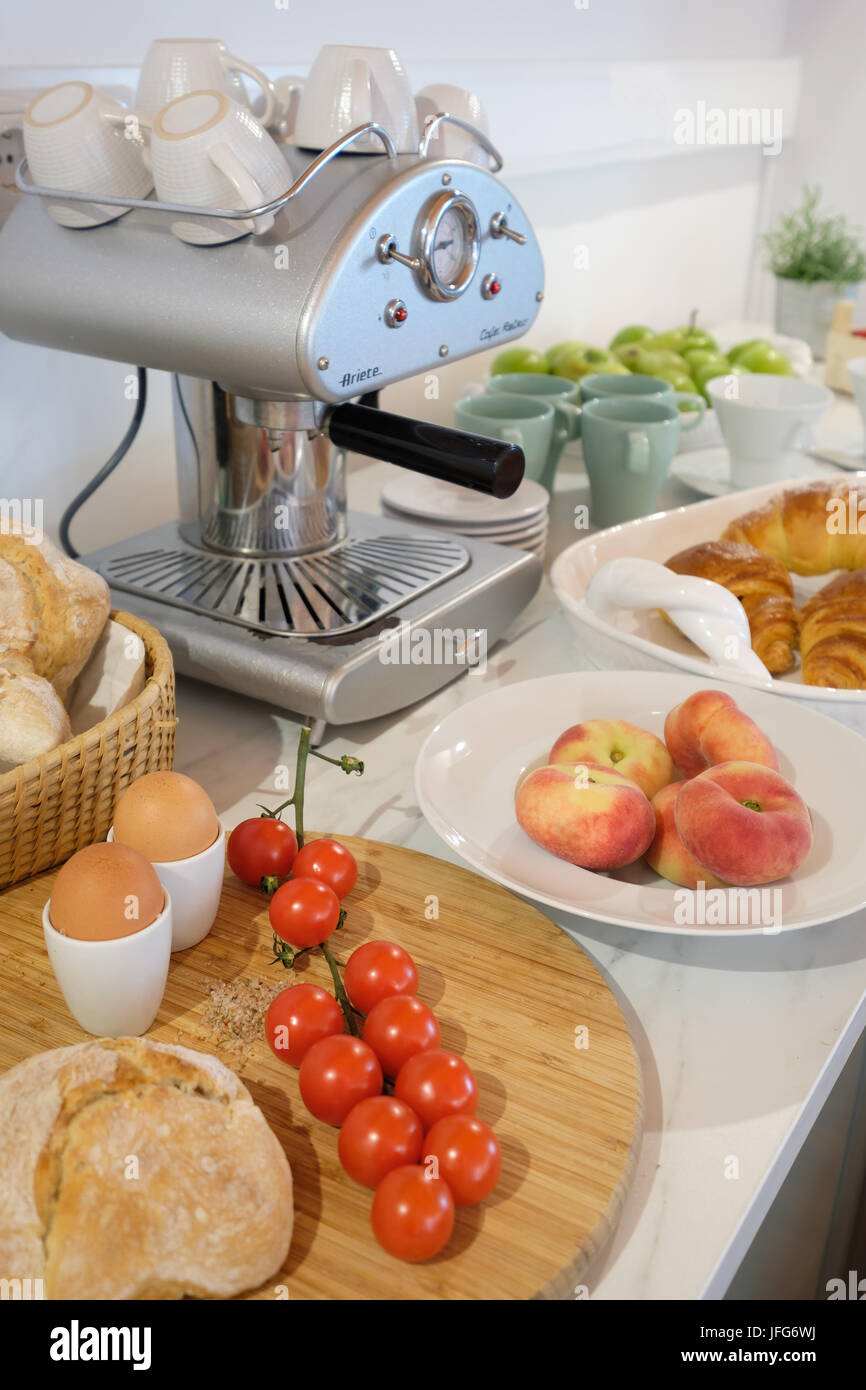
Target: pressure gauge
450,242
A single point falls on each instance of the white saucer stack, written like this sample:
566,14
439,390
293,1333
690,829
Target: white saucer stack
520,521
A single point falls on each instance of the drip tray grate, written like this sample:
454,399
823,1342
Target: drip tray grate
332,592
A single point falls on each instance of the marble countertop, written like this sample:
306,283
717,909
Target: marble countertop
740,1042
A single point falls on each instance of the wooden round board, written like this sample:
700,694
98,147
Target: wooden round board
557,1073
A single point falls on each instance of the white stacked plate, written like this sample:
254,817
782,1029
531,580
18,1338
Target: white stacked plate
519,521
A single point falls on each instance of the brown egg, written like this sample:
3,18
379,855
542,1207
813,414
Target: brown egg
165,816
105,891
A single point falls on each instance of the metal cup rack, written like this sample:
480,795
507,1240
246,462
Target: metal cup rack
275,205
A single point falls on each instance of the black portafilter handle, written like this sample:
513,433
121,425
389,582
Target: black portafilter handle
470,460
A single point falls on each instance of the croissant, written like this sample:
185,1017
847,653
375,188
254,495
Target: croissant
811,529
833,634
763,587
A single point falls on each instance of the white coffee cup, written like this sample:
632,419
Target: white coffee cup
76,137
857,373
194,887
765,421
113,988
174,67
449,141
289,91
209,151
348,86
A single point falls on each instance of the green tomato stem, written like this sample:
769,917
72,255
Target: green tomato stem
343,999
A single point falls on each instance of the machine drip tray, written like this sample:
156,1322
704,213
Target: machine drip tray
361,579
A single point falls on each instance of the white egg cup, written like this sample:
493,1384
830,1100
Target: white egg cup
194,886
113,988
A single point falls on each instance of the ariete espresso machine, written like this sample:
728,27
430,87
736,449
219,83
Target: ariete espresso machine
378,266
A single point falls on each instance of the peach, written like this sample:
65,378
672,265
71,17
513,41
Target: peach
615,743
667,854
745,822
709,728
598,818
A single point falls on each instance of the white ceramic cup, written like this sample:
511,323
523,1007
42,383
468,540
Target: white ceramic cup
113,989
76,137
857,373
209,151
449,141
765,422
174,67
194,887
348,86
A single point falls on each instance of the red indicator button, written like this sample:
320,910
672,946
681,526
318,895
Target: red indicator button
400,313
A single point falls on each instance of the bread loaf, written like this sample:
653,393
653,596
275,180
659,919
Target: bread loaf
32,717
808,528
131,1169
52,610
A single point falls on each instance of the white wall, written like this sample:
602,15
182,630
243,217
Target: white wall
662,235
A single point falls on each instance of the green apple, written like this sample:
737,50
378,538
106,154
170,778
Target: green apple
519,359
558,350
581,362
737,351
712,369
635,358
699,338
764,358
674,340
632,333
680,381
699,357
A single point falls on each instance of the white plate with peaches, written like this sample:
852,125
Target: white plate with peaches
654,801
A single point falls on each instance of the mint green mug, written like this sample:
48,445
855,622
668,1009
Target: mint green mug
557,391
530,424
607,384
628,445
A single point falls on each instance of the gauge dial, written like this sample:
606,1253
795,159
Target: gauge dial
450,245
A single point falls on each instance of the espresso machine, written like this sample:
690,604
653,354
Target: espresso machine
378,266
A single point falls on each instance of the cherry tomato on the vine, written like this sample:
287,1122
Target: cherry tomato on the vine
435,1084
413,1213
263,847
398,1027
377,970
327,861
336,1075
299,1017
379,1134
467,1154
303,912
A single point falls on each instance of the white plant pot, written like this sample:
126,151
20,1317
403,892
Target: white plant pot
806,310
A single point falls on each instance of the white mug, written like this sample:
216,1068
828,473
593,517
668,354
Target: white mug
349,86
449,141
209,151
112,988
174,67
765,421
76,137
288,91
194,888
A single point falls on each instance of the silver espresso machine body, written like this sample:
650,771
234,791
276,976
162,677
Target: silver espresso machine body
376,268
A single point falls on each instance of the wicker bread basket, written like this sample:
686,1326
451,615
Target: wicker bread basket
65,799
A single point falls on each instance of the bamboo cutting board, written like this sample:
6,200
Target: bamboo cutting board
557,1074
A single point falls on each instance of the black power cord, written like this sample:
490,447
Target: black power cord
107,468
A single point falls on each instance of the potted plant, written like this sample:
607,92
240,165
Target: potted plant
817,259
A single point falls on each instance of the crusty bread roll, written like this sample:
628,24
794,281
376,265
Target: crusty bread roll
52,610
131,1169
32,717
